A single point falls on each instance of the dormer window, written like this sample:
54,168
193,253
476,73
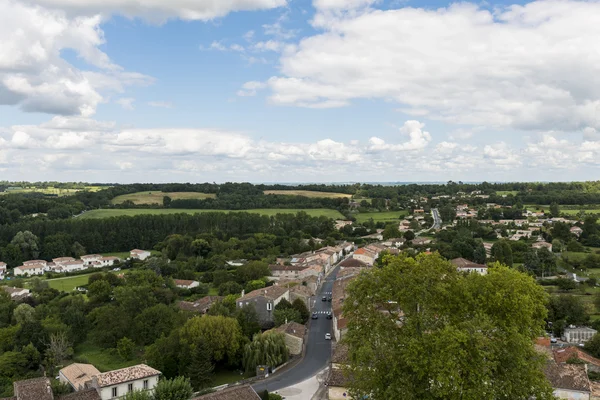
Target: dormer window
269,306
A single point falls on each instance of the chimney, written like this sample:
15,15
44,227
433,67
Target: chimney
243,292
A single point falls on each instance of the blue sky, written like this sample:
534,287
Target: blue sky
292,91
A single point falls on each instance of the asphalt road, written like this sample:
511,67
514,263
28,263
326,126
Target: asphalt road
437,221
318,350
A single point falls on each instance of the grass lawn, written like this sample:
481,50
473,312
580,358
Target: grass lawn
315,212
156,197
308,193
507,192
223,376
386,216
69,283
213,291
103,359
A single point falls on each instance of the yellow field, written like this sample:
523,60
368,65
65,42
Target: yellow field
308,193
156,197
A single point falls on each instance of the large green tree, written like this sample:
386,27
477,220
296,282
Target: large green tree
265,349
502,252
417,329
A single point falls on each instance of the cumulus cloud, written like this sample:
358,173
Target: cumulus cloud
419,139
463,64
33,74
126,103
161,10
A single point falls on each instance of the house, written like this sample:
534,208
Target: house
576,230
264,301
90,259
464,265
79,376
563,355
337,383
40,389
30,269
286,271
580,334
236,263
353,263
119,382
16,293
395,242
242,392
311,270
186,284
375,236
420,241
35,262
62,260
294,336
139,254
339,224
338,294
365,255
569,381
2,270
109,261
70,266
199,306
541,244
418,211
301,292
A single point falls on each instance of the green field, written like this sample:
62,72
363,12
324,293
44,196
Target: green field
103,359
315,212
507,192
386,216
69,283
308,193
156,197
567,209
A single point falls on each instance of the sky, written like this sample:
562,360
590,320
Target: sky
122,91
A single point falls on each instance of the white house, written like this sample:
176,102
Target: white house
16,292
78,376
464,265
186,284
31,269
89,259
109,261
35,262
576,230
70,266
578,334
365,255
139,254
2,270
62,260
118,383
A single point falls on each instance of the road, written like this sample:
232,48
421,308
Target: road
318,350
437,221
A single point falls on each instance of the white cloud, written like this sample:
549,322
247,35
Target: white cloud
461,64
250,88
161,10
160,104
419,139
126,103
34,76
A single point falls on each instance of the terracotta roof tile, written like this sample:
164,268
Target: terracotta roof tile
125,375
293,328
563,355
340,354
567,376
337,378
271,292
89,394
33,389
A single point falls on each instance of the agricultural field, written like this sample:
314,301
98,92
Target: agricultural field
106,213
385,216
69,283
507,192
567,209
308,193
156,197
52,190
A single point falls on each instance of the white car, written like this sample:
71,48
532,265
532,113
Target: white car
328,336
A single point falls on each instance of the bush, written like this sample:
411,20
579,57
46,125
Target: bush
125,348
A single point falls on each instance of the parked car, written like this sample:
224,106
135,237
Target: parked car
328,336
329,298
553,340
329,316
315,315
324,298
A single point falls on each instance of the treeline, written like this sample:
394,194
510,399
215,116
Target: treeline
144,231
242,202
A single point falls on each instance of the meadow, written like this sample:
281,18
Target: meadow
567,209
107,213
507,192
385,216
53,191
156,197
308,193
69,283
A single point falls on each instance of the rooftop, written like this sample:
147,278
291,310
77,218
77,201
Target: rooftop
125,375
340,354
271,292
183,282
337,378
352,263
277,267
30,266
33,389
79,374
244,392
293,328
464,263
199,305
89,394
567,376
563,355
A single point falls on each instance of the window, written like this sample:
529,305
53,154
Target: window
269,306
130,387
241,304
145,383
115,393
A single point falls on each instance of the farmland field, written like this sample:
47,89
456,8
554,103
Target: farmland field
308,193
386,216
567,209
507,192
106,213
69,283
52,190
156,197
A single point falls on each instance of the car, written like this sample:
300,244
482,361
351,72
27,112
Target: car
329,298
328,336
315,315
553,340
329,316
324,298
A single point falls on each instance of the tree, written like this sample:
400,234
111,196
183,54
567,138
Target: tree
547,261
166,201
502,253
125,348
151,323
253,285
77,250
252,271
28,244
447,214
99,292
230,287
592,346
222,335
301,307
566,309
178,388
479,254
60,347
391,231
248,319
562,231
24,313
283,304
531,262
285,315
201,368
265,349
409,235
137,395
554,210
411,332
